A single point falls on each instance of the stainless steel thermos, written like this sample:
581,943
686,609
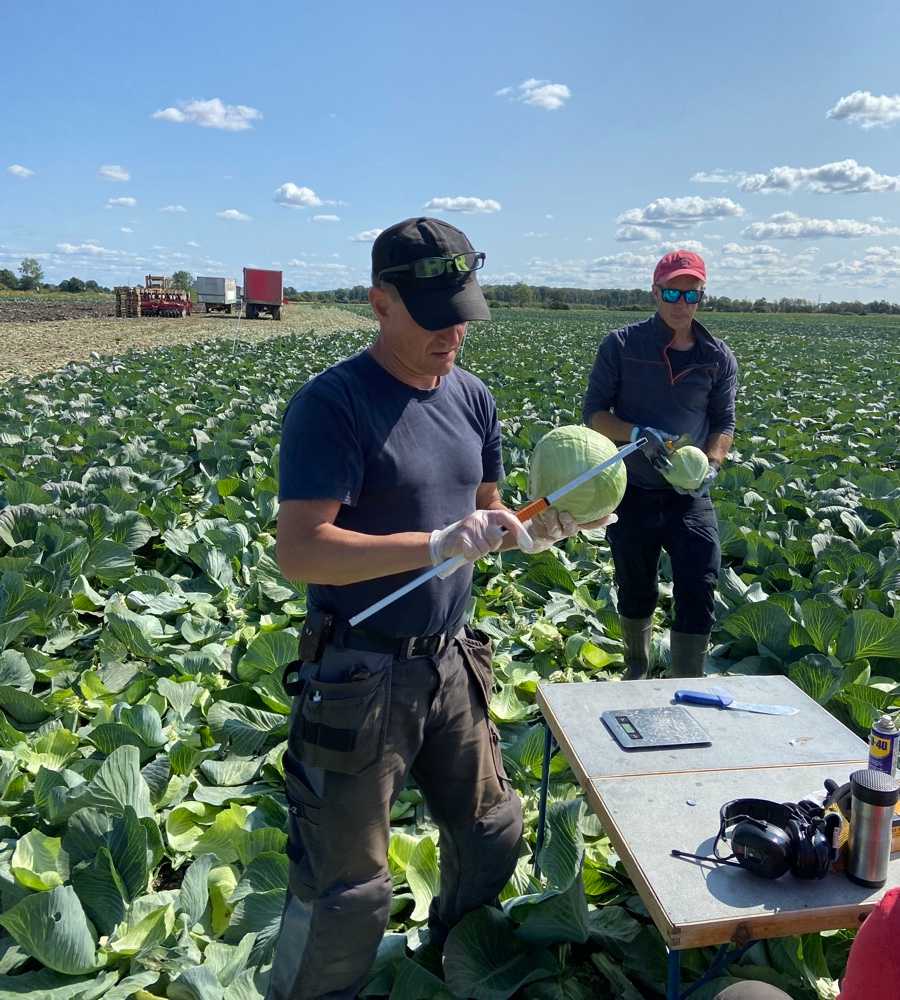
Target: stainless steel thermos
871,812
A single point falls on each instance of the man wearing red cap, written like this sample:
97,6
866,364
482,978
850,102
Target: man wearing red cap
660,379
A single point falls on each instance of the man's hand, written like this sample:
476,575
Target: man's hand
703,489
476,535
655,449
552,525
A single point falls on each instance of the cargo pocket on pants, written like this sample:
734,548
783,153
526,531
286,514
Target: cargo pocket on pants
340,725
477,656
304,833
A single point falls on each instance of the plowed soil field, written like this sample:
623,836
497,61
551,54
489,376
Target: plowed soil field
30,346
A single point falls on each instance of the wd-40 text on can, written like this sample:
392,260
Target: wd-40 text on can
884,740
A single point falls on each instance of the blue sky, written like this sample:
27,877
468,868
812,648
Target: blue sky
573,142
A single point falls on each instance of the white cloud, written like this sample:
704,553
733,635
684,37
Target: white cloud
233,215
294,196
191,243
211,114
692,246
467,205
790,226
366,236
121,202
762,264
538,93
114,172
173,208
878,266
89,249
17,170
863,108
548,216
840,177
717,176
623,261
531,235
126,229
633,234
680,212
326,218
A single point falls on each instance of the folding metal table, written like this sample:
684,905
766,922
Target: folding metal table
651,801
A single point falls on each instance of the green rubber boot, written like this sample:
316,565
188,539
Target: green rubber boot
688,654
636,633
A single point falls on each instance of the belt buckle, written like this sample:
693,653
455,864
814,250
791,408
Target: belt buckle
407,648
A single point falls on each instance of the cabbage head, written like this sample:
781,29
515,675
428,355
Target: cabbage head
566,452
689,468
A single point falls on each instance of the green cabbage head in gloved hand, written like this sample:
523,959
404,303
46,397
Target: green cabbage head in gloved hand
690,472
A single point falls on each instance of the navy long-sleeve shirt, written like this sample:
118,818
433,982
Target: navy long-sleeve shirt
641,379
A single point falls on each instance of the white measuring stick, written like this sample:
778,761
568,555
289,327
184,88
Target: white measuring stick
455,562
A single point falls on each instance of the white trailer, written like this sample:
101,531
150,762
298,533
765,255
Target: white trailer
216,294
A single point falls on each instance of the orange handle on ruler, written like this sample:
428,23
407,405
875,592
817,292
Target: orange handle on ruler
527,512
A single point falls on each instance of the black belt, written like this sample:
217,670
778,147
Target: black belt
400,647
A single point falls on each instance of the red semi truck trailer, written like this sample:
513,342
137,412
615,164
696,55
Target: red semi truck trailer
263,293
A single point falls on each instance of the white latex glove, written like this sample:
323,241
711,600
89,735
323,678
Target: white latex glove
552,525
474,536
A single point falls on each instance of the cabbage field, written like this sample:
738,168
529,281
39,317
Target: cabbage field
144,625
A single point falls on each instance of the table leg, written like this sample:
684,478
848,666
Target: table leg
725,956
542,802
673,975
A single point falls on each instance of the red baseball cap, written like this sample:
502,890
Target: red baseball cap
679,262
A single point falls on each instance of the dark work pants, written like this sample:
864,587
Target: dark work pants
653,520
435,726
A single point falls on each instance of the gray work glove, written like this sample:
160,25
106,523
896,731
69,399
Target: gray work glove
655,449
703,489
474,536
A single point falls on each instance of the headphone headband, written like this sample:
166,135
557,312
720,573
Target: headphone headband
763,810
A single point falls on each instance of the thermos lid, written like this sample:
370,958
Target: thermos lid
877,788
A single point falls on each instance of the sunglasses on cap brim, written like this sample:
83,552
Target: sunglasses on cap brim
434,267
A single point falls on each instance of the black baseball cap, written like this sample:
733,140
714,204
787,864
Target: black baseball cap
434,303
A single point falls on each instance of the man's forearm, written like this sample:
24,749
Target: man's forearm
611,426
337,557
718,446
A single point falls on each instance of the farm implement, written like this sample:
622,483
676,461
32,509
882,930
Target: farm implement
155,298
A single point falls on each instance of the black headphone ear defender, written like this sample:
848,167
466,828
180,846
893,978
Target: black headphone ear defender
772,838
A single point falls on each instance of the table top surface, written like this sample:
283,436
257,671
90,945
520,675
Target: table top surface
739,739
695,903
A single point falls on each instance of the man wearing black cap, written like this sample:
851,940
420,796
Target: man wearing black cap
389,463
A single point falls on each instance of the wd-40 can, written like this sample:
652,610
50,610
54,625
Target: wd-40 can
884,741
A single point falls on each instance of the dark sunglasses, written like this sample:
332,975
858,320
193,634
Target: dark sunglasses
433,267
671,295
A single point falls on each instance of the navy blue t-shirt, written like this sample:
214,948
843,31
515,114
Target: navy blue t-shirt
398,459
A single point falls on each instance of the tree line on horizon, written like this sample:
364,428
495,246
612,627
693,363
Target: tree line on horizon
521,295
621,299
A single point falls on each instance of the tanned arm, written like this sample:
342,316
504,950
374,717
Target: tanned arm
611,426
718,446
310,547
